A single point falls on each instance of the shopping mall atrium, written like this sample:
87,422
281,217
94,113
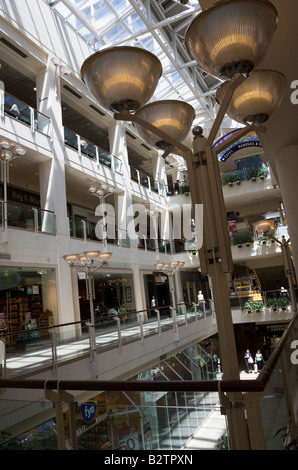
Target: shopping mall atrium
149,231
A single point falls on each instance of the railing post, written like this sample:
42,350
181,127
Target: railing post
175,325
58,398
2,99
254,421
119,332
92,342
3,358
141,326
35,214
158,321
53,336
84,230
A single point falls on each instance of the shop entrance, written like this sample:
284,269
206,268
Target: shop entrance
157,290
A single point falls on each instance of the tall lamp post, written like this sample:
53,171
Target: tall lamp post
171,269
228,40
8,152
102,193
89,262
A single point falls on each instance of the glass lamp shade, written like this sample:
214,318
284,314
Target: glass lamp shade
172,117
71,259
232,36
265,226
19,150
92,255
104,257
257,98
5,155
5,143
122,77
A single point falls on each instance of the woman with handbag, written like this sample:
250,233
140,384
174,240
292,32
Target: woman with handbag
249,361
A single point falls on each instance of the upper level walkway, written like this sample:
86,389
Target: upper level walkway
116,347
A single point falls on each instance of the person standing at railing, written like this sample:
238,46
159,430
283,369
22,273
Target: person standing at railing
15,110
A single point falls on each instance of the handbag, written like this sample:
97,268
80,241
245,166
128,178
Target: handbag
250,360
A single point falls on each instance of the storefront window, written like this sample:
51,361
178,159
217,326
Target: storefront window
28,298
112,291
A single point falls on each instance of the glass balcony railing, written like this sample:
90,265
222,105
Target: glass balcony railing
27,115
90,150
147,181
28,218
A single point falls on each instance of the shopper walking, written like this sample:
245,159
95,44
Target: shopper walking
249,361
259,359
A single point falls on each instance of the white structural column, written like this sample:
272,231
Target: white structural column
118,147
287,171
159,169
53,185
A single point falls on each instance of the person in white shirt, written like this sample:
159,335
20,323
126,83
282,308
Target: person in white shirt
201,300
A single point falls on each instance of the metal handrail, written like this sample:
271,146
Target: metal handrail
257,385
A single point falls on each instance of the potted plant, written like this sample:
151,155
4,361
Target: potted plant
263,173
283,302
272,304
262,239
257,306
247,306
185,189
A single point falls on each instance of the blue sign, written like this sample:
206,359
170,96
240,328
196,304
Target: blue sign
250,140
88,411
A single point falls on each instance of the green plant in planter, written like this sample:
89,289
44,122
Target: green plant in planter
283,302
262,239
263,172
257,305
272,303
247,306
253,305
242,239
185,188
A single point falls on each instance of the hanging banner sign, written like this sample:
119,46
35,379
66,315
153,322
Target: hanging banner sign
250,140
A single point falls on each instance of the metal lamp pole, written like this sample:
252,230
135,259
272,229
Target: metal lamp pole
171,269
89,262
8,153
100,193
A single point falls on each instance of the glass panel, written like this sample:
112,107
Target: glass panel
105,158
88,149
278,407
134,174
76,226
71,139
117,164
42,123
42,437
46,221
17,109
20,215
144,180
